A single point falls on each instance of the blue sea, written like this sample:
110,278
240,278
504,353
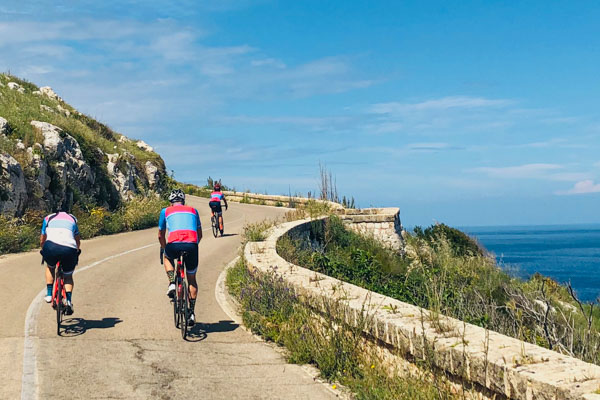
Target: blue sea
566,253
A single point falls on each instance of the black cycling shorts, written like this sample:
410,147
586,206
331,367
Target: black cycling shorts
173,250
216,206
54,253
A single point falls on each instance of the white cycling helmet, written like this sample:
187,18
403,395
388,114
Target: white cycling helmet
177,195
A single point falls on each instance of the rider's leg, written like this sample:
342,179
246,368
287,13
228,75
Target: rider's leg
169,263
68,285
49,280
193,285
221,221
191,263
170,270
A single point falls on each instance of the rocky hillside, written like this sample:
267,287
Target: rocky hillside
53,155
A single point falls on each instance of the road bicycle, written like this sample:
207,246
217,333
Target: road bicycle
59,296
180,300
214,221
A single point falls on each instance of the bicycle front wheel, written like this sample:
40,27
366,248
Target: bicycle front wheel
183,312
60,308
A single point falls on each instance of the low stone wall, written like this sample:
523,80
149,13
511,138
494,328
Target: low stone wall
274,200
382,223
494,363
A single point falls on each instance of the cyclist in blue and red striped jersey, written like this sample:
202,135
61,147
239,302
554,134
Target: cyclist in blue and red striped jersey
185,232
215,203
60,242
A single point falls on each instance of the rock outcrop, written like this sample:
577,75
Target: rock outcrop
13,191
3,126
16,86
46,162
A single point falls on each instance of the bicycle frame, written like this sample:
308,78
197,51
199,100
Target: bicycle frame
59,295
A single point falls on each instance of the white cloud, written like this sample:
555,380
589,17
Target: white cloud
526,171
445,103
583,187
268,62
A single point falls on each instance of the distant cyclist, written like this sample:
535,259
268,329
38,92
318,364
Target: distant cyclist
185,232
60,242
215,203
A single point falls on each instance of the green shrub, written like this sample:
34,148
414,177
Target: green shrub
16,235
444,271
256,232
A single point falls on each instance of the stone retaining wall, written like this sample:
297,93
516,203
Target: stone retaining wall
275,200
490,361
382,223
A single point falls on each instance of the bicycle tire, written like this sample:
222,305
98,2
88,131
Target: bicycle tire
183,312
175,310
59,304
215,226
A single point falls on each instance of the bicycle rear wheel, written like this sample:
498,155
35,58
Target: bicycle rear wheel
60,308
183,312
215,225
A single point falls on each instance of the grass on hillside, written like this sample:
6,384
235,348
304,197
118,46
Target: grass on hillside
19,109
272,309
442,273
22,234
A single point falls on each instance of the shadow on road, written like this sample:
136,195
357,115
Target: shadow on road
229,234
79,326
201,330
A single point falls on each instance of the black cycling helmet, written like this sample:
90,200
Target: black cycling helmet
177,195
217,186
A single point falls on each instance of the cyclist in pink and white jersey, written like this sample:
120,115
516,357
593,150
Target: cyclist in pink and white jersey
215,203
60,242
185,232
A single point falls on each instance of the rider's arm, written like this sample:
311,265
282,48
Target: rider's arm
43,235
161,238
162,228
198,226
225,201
77,235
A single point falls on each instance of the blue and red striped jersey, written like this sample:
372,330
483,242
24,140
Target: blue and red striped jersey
182,222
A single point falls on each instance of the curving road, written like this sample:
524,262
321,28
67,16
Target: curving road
122,344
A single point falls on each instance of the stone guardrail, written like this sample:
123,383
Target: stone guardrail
492,362
381,223
275,200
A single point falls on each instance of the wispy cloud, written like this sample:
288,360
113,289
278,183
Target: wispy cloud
433,146
582,187
526,171
441,104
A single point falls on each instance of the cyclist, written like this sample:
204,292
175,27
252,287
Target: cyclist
60,242
185,232
215,203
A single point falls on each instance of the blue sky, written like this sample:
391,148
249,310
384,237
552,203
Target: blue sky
470,113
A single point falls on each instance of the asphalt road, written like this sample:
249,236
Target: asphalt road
121,342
